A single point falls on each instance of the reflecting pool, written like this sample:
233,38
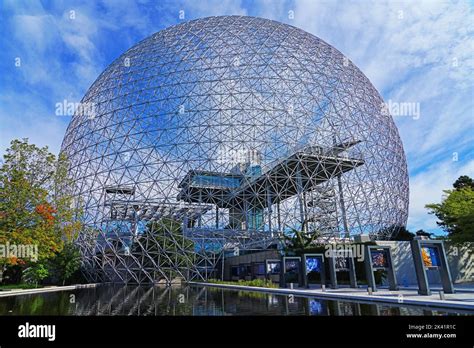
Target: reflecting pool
192,300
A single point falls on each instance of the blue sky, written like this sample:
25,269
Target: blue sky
419,52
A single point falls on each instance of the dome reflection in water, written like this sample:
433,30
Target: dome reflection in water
190,301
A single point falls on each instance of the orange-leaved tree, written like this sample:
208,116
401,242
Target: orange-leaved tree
35,207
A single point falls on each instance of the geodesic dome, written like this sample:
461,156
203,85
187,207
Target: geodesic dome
225,133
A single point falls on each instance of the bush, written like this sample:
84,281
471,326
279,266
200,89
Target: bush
35,274
260,283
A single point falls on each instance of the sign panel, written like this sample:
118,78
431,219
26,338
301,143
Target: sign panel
430,257
273,267
292,270
379,258
341,263
292,266
313,264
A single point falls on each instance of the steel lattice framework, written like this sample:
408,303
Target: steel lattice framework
222,134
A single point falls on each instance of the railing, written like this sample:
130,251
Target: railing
346,153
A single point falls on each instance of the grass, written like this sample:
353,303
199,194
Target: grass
260,283
18,286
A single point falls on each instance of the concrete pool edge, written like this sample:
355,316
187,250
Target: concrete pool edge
448,304
19,292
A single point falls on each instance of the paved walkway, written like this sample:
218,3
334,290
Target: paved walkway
459,300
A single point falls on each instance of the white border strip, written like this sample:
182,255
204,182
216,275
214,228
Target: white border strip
19,292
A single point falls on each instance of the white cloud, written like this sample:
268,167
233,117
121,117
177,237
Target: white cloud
23,119
197,9
427,187
412,52
60,59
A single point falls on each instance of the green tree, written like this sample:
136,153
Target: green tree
165,244
464,181
299,239
456,212
35,273
402,234
35,208
65,263
423,233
